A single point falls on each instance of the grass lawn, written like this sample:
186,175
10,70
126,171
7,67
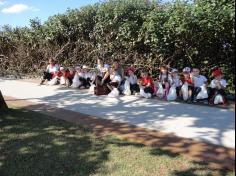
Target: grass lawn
32,144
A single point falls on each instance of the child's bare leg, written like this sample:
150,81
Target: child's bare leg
110,87
180,94
167,86
190,93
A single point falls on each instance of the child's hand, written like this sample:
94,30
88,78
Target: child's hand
191,75
218,84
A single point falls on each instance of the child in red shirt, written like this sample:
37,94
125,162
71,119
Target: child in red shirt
147,82
67,74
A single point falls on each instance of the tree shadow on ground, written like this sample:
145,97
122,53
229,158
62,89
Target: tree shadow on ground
30,146
201,169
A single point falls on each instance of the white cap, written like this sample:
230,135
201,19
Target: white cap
106,66
187,69
85,67
62,68
174,70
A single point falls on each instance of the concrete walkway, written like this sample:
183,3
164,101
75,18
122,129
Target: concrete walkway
212,125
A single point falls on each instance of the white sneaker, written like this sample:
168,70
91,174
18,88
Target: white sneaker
149,95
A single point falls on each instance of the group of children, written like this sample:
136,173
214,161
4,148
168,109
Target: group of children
189,85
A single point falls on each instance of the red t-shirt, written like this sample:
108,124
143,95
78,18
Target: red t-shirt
189,81
148,81
69,74
58,74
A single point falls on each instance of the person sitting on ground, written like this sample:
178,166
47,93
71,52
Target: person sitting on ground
66,76
198,81
85,78
186,78
120,71
165,79
115,79
147,85
133,80
102,69
51,71
218,86
76,80
176,82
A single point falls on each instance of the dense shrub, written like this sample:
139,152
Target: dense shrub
199,33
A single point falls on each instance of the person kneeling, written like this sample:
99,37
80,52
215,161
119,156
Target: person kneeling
147,85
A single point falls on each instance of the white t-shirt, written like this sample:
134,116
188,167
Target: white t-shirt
222,82
133,79
199,80
115,78
163,78
177,82
81,75
53,69
102,70
85,75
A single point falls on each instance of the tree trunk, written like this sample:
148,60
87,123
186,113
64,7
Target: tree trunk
3,105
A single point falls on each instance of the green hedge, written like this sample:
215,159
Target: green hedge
183,33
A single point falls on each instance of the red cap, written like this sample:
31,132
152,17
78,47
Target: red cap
217,73
131,69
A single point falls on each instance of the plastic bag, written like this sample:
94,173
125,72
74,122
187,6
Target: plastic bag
92,88
76,78
203,94
218,99
114,93
93,77
63,80
172,96
145,95
127,90
160,92
53,82
185,91
76,82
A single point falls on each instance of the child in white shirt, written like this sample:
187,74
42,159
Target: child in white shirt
198,81
176,81
218,86
133,80
115,79
85,78
165,79
51,71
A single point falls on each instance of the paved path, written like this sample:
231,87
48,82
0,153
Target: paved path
213,125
